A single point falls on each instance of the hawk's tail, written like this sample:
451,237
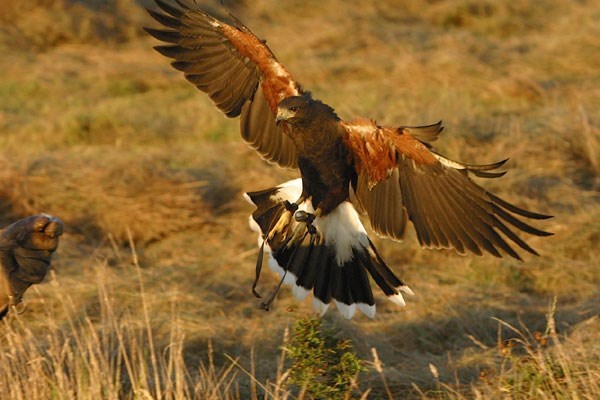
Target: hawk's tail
332,263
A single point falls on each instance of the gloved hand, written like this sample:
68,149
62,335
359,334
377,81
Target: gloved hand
26,248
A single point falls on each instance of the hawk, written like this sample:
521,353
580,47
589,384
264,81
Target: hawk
310,227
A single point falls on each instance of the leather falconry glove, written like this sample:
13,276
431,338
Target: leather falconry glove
26,248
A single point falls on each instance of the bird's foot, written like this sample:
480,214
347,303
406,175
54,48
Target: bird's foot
306,218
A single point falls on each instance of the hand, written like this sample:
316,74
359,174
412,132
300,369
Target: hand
26,248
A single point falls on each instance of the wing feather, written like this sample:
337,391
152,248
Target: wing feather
166,20
463,210
169,9
422,202
489,221
389,220
455,223
427,133
473,218
235,68
447,209
260,132
414,210
442,228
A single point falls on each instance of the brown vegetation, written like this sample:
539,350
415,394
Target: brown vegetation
151,297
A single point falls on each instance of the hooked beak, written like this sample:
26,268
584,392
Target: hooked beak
283,115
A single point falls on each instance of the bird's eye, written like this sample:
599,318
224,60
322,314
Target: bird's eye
294,109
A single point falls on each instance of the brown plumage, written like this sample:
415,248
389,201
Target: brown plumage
392,174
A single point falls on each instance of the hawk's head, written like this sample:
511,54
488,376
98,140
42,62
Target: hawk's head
294,110
304,111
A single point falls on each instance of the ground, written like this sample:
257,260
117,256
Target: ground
152,279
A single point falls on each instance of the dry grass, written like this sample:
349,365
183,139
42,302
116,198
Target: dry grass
531,365
108,355
105,194
97,129
40,25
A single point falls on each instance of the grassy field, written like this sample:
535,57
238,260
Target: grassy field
150,294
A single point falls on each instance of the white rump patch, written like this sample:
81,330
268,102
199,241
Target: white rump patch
290,191
343,231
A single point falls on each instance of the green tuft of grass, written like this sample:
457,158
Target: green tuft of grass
323,366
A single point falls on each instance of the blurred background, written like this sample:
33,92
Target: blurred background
150,294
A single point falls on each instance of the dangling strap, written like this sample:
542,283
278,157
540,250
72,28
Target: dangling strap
267,304
258,269
261,251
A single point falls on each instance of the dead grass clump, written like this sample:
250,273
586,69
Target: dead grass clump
42,24
104,194
532,365
502,18
117,350
585,148
544,364
115,355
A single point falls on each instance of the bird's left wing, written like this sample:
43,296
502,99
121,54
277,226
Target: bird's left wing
235,68
401,178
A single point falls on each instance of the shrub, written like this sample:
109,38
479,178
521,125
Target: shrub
323,366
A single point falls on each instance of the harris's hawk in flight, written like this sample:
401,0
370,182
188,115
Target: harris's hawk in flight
310,227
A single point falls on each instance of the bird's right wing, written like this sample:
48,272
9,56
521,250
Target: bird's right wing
235,68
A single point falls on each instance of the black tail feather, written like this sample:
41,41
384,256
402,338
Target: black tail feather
310,263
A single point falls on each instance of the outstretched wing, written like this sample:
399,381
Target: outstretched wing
235,68
400,178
